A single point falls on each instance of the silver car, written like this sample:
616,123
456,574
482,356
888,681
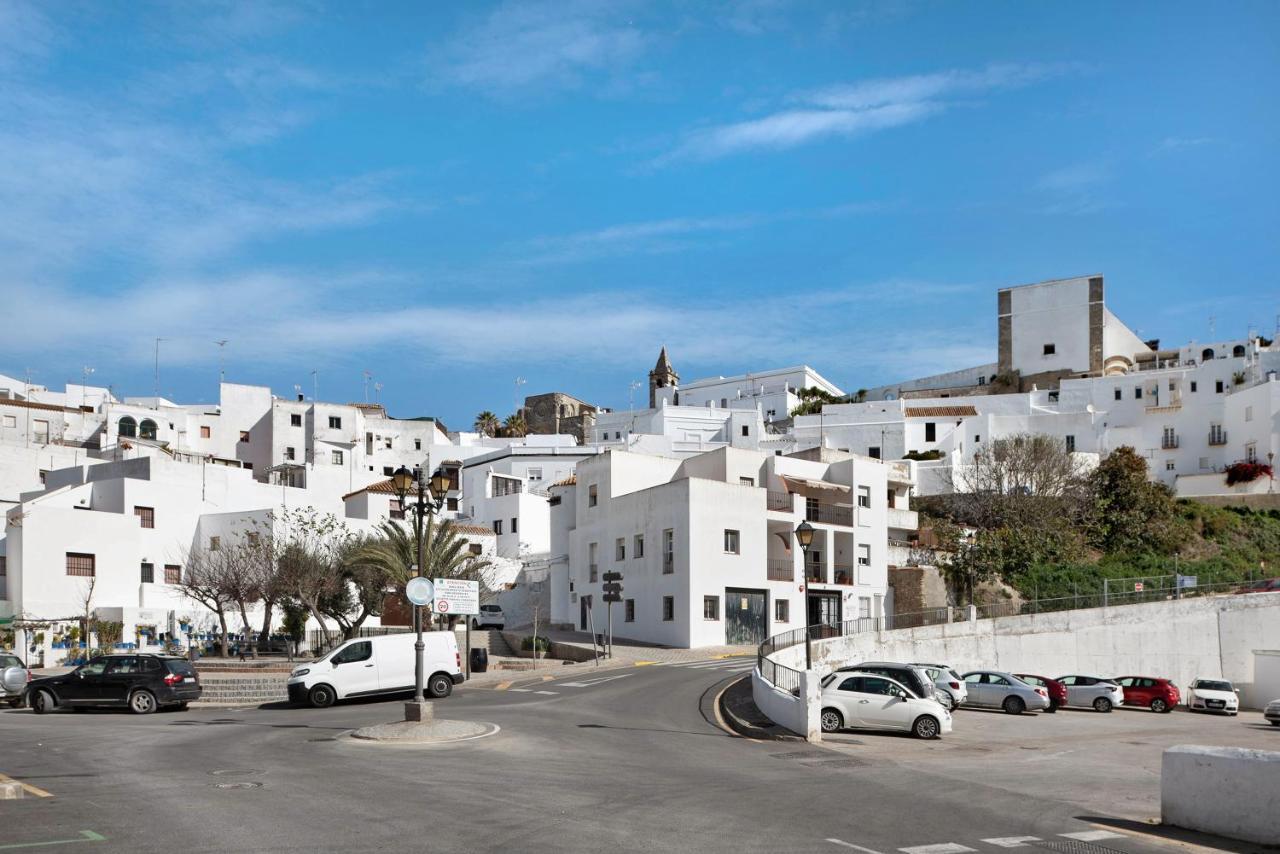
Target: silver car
1097,692
951,690
995,689
1272,712
14,677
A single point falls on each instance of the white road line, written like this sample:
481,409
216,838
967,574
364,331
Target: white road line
940,848
552,693
521,690
1011,841
587,683
1090,835
844,844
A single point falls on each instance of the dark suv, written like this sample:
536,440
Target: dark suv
141,682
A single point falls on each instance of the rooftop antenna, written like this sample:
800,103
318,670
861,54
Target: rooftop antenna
315,385
84,382
367,376
158,340
515,402
377,393
222,373
1212,327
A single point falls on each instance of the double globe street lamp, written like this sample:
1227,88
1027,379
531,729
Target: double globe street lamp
430,500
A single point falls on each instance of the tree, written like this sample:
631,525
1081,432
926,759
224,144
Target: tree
265,571
515,426
812,400
310,545
238,575
1023,480
202,580
1130,513
294,624
487,424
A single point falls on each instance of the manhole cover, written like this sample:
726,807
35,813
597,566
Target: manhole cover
238,784
1075,846
236,772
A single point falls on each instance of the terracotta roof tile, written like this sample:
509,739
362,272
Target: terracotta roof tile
940,411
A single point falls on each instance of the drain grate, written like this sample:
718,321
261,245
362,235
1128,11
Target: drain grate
236,772
238,784
1075,846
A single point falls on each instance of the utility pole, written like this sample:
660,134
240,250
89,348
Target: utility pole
158,340
367,376
83,383
222,366
315,385
515,401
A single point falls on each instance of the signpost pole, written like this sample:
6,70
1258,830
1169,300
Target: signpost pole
610,609
591,626
466,656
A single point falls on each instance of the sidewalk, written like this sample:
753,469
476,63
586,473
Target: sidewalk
635,651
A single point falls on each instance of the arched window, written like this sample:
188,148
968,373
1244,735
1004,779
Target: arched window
1237,350
128,427
147,429
1207,354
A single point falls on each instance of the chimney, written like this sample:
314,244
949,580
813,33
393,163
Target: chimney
300,397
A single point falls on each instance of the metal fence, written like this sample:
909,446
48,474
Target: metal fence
319,641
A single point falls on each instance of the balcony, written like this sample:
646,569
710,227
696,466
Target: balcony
1171,404
783,501
781,570
844,573
1217,437
908,520
829,514
1169,442
813,574
899,471
668,564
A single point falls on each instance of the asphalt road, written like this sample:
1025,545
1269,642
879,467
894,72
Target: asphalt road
621,760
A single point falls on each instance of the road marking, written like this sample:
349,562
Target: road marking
940,848
645,663
1011,841
85,836
521,690
844,844
1090,835
502,686
737,655
552,693
588,683
27,787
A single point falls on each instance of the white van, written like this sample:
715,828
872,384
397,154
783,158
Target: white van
364,667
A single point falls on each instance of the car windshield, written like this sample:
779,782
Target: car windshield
180,667
9,661
1211,685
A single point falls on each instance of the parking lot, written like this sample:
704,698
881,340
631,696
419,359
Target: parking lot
1106,764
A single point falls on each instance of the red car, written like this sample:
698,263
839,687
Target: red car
1158,695
1267,585
1057,691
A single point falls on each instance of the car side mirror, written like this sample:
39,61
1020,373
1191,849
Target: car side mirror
902,695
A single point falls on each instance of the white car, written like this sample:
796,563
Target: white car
1272,712
1213,695
1100,693
951,689
861,700
490,617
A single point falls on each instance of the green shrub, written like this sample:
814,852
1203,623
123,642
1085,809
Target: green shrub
543,643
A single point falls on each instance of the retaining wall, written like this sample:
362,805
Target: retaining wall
1228,791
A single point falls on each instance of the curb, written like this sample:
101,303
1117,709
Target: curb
746,728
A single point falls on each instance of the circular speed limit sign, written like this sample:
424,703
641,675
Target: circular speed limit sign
443,606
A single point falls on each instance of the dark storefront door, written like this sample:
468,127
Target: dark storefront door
825,611
746,618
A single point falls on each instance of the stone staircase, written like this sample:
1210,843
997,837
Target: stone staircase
492,640
242,689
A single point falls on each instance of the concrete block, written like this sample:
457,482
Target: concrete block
811,697
11,791
1228,791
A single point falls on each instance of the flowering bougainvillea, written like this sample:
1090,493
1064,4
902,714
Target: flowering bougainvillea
1246,472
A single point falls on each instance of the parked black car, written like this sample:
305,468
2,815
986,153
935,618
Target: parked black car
143,683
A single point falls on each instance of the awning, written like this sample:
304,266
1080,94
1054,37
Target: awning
814,488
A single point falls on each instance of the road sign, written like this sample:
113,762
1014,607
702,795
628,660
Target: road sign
1137,587
457,596
612,576
420,591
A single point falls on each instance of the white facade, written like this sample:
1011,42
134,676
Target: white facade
706,544
773,392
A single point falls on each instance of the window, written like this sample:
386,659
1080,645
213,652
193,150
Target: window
747,481
128,428
731,544
593,552
1119,394
387,444
977,438
475,548
288,453
146,516
1137,392
1251,452
535,474
746,431
864,496
1193,386
335,457
80,565
668,608
215,543
395,509
930,431
864,608
864,554
1204,463
629,611
637,546
1248,413
295,419
1169,465
335,423
205,431
497,526
1050,349
387,471
782,610
147,429
244,435
451,504
1219,387
514,528
710,607
361,651
592,495
724,403
148,573
172,573
417,444
1071,444
668,551
11,421
620,548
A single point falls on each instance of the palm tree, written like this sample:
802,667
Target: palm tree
487,423
393,549
514,426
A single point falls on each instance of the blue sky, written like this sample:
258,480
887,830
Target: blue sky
451,196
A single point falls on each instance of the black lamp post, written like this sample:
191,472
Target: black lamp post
403,481
804,536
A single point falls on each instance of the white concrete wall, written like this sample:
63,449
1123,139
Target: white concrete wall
781,707
1051,313
1227,791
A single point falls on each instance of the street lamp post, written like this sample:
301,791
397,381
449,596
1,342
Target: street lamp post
804,536
423,509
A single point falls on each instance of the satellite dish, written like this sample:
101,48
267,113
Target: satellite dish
1089,409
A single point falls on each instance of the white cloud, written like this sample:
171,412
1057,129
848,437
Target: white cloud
858,108
521,45
1073,190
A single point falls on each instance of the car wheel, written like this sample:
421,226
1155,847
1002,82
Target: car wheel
142,702
925,727
42,702
1053,707
440,685
1102,704
1275,723
321,696
832,720
1159,706
1014,706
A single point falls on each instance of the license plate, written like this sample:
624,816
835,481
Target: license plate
1216,704
189,679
